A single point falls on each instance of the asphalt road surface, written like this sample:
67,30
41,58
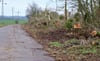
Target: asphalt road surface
16,45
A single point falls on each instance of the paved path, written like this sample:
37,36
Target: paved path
16,45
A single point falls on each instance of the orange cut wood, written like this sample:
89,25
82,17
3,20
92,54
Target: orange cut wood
78,25
93,33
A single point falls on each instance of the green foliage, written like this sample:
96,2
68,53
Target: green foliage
98,33
89,50
61,17
87,18
82,50
77,17
56,44
69,24
88,11
72,42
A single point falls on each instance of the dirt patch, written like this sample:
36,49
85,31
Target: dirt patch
72,46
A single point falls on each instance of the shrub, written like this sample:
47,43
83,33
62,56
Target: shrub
61,17
98,33
77,17
69,24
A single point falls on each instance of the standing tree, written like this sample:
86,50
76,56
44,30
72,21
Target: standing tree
33,11
88,9
61,7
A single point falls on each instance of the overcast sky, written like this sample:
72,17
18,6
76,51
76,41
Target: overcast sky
21,5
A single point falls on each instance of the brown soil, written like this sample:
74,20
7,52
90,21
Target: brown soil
60,35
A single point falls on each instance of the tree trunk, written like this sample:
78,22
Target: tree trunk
65,9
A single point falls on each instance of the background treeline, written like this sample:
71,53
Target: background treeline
87,13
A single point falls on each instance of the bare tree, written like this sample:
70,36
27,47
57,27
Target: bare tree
62,7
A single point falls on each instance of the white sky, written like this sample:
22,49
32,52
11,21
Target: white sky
21,6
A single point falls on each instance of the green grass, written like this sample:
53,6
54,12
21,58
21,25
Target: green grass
9,22
56,44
